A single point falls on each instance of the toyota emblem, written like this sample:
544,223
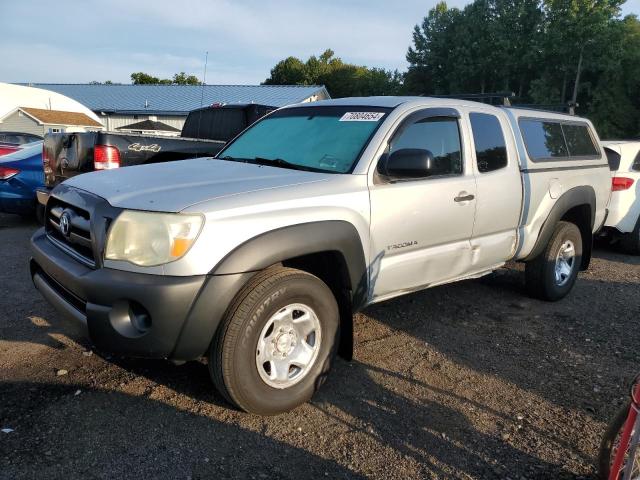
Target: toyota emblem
65,223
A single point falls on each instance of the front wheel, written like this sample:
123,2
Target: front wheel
552,274
276,343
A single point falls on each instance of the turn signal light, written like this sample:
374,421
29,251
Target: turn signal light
105,157
6,173
621,183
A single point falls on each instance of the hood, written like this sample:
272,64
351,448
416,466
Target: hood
174,186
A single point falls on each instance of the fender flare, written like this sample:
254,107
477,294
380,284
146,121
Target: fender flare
574,197
302,239
228,277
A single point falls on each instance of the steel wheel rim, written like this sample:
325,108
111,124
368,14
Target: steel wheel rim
288,346
565,263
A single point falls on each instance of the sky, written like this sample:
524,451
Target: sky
85,40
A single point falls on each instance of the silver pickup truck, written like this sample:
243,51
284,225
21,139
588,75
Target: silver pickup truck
258,259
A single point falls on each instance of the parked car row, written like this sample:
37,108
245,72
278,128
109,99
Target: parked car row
258,258
204,133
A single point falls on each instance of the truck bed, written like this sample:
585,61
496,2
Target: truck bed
70,154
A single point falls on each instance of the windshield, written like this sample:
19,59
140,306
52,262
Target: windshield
327,139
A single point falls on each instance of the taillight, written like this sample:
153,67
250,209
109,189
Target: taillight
621,183
6,149
45,157
105,157
6,173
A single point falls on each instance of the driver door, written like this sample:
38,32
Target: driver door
421,227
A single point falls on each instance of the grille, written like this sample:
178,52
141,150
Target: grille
69,228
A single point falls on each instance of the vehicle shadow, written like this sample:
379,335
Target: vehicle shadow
106,434
420,425
380,409
575,353
15,221
613,253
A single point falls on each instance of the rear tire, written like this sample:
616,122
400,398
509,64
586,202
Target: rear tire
631,241
40,214
551,275
276,343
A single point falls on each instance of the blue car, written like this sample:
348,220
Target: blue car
21,173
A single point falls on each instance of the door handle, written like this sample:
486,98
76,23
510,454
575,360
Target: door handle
463,197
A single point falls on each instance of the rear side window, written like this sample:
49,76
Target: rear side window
491,149
549,140
613,158
543,139
579,141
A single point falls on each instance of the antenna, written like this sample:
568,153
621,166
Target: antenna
204,82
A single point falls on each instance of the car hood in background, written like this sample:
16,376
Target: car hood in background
174,186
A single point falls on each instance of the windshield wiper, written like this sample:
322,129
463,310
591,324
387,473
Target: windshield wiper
280,162
275,162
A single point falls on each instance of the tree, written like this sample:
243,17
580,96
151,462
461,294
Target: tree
290,71
141,78
341,79
429,58
616,97
577,34
184,79
547,51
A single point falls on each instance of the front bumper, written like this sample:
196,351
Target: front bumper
16,197
134,314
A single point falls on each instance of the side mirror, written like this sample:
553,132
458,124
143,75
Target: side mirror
408,163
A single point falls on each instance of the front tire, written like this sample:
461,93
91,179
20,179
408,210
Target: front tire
276,343
551,275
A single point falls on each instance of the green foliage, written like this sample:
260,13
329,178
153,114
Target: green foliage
546,51
341,79
141,78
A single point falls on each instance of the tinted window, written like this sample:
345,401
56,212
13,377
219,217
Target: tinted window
543,139
636,163
613,158
491,149
439,135
579,141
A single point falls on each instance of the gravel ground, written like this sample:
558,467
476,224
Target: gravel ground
471,380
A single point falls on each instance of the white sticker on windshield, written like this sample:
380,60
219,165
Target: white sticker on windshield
361,116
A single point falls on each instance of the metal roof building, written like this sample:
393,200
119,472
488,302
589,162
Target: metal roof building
120,105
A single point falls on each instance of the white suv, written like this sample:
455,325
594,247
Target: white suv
623,221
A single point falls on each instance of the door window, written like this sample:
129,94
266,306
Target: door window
439,135
491,148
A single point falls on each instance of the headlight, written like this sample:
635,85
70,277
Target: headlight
148,239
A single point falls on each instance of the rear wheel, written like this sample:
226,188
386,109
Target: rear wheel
276,343
552,274
631,241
